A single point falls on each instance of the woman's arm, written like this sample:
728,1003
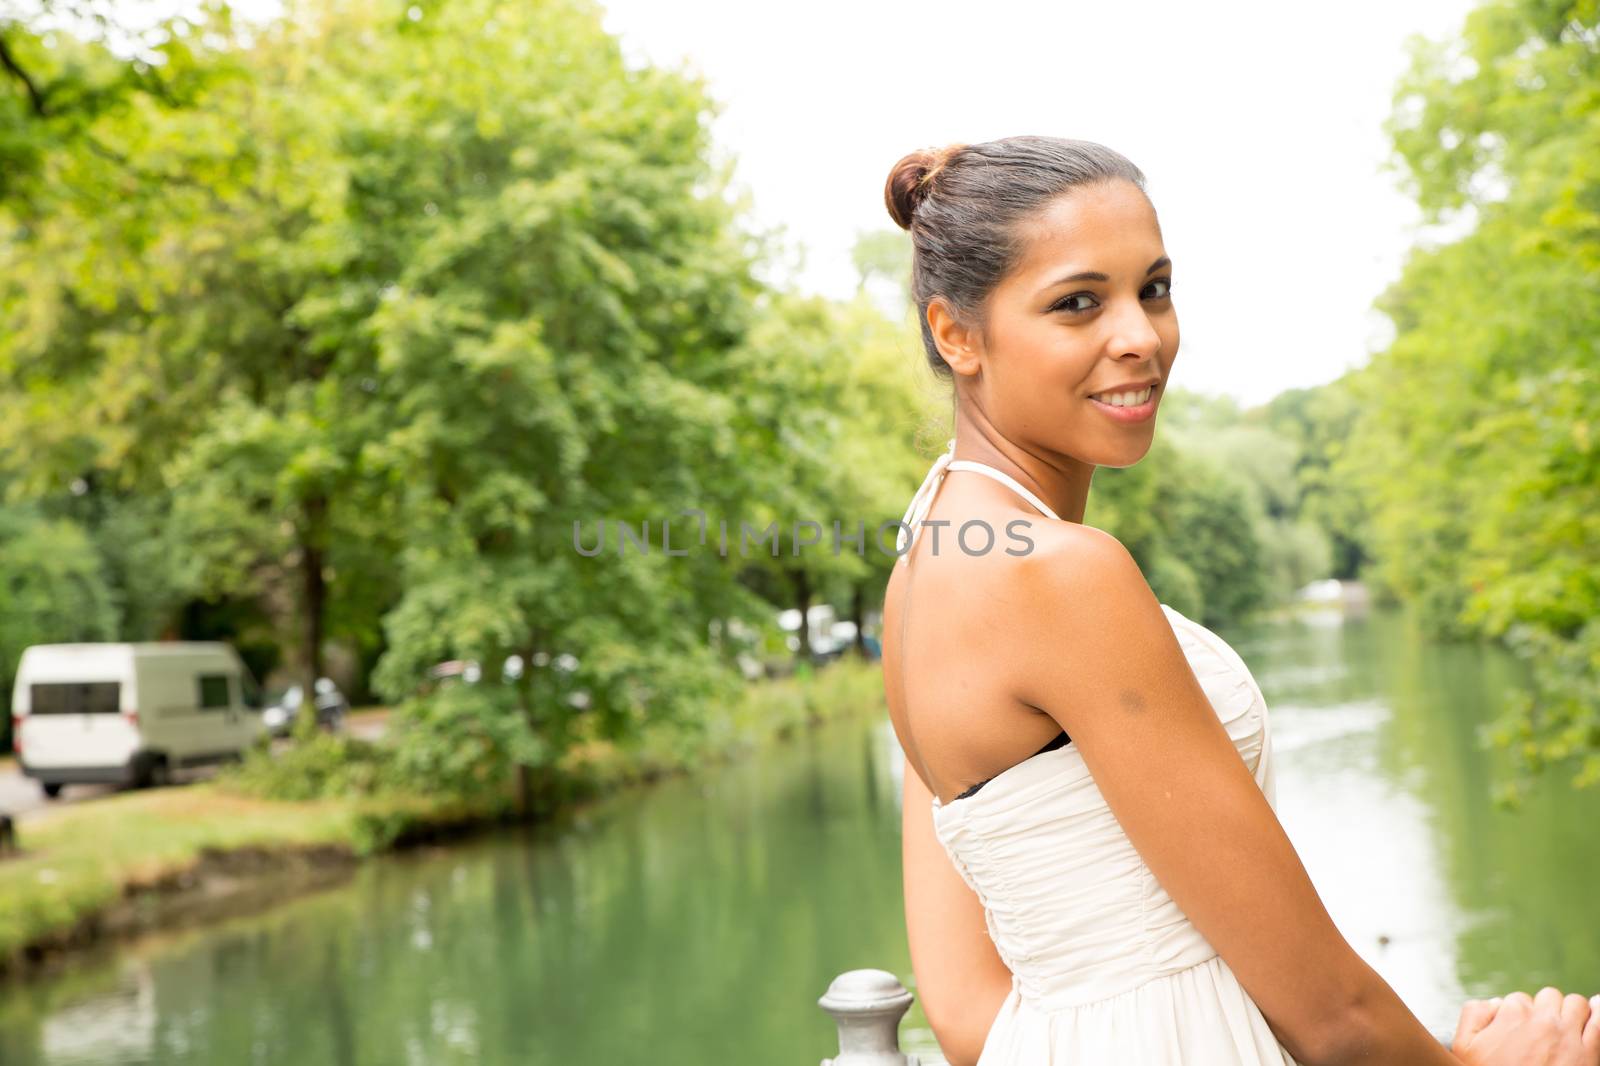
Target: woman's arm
961,980
1100,657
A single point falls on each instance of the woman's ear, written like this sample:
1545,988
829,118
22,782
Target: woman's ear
958,344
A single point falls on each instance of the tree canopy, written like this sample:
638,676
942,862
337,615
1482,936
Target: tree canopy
1477,442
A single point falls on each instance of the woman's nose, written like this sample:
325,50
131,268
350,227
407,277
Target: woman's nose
1135,334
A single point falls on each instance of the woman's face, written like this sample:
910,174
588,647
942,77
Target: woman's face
1086,313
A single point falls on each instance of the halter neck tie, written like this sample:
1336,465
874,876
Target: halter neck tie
922,500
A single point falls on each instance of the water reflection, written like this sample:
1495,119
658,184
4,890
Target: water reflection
1385,793
699,921
121,1020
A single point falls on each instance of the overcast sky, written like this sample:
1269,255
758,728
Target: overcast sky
1258,125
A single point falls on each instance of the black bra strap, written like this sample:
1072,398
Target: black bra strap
1061,739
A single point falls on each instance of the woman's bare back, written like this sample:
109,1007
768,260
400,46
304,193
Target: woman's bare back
947,624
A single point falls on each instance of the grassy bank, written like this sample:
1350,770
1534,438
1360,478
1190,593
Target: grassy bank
119,864
771,711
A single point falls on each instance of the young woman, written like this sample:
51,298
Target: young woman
1094,871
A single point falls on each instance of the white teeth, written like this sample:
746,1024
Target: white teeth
1125,399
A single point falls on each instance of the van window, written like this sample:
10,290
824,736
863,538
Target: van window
76,697
214,691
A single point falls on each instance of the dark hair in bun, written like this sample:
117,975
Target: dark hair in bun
912,179
964,205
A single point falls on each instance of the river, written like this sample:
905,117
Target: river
697,921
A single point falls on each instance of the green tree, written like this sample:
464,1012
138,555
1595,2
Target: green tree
1197,528
164,340
1319,420
55,592
68,67
551,297
1476,440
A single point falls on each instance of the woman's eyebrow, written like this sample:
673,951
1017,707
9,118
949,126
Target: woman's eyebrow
1095,275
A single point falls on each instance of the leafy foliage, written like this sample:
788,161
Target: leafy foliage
1476,442
1196,520
53,589
322,766
364,322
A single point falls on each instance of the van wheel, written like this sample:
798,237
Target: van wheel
52,789
153,773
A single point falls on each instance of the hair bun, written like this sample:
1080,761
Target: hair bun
911,180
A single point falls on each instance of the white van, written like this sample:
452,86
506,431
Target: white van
129,713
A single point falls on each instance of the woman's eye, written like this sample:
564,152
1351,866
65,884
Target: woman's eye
1063,304
1163,287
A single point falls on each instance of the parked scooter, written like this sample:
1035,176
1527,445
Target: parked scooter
284,707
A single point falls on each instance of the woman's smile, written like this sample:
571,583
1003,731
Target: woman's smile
1128,406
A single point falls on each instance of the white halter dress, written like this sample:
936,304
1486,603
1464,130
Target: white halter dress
1106,970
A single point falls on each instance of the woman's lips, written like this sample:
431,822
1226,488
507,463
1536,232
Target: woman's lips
1137,413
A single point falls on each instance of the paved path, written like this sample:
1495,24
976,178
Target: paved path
21,796
368,723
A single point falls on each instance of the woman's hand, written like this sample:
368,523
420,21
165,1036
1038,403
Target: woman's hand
1522,1030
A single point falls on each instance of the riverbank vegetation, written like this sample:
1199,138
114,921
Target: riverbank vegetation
1476,446
98,869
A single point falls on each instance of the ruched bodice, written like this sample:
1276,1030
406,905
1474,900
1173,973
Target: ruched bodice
1106,968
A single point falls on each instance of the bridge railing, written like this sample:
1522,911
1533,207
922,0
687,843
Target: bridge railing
867,1006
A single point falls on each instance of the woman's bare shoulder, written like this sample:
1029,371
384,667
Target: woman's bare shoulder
1079,596
1070,556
